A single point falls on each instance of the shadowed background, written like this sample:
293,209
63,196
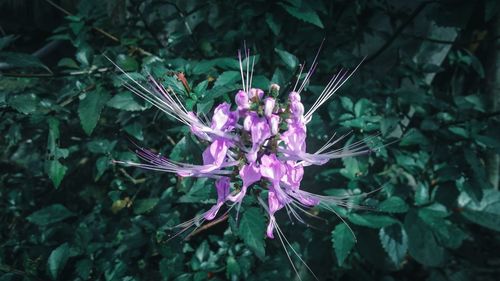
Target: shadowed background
430,79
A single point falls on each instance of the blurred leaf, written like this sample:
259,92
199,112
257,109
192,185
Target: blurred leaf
303,13
290,60
26,103
142,206
343,241
252,229
57,260
227,77
395,242
55,170
393,204
5,41
373,221
19,60
51,214
273,24
422,244
125,101
90,107
486,212
127,63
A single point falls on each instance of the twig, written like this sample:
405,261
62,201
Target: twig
439,41
399,30
60,74
207,226
148,27
129,177
478,118
7,268
103,32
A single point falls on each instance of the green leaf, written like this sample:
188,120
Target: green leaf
362,106
142,206
227,77
67,62
303,13
90,107
343,241
135,130
394,240
393,204
232,267
486,212
127,63
273,24
414,137
125,101
26,103
290,60
422,244
51,214
57,260
447,234
372,221
54,169
5,41
252,229
83,268
20,60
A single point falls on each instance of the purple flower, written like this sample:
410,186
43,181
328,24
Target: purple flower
247,144
242,101
223,184
249,174
268,106
274,122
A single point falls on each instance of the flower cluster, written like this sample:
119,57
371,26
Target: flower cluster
258,142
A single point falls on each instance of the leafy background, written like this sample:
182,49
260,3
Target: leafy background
430,80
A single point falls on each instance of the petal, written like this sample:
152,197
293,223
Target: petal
270,227
250,174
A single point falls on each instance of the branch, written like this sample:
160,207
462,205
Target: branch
207,226
398,31
478,118
103,32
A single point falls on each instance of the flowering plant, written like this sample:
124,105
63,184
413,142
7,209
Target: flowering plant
257,143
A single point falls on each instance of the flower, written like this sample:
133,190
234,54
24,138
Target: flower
259,142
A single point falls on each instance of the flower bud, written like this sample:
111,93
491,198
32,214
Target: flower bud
268,106
274,89
247,123
294,97
255,94
242,100
274,122
297,109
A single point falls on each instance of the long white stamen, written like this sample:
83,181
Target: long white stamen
295,252
241,72
329,91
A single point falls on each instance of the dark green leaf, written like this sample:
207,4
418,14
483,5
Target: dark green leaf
252,230
306,14
51,214
142,206
393,204
90,107
125,101
290,60
395,242
343,242
57,260
422,244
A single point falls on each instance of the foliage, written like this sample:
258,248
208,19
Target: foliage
68,213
